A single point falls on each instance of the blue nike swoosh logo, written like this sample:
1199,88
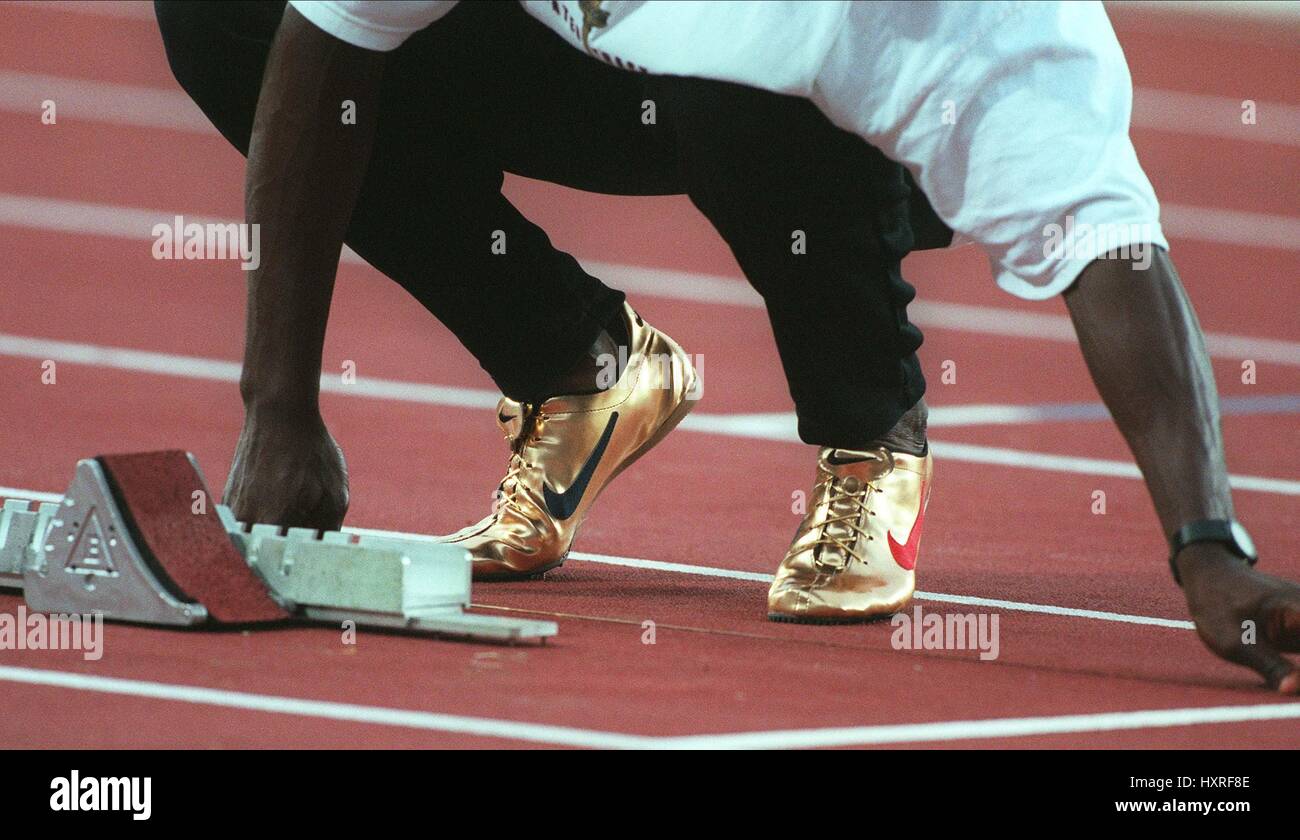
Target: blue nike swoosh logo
563,505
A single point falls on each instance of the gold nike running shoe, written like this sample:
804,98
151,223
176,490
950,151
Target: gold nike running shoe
854,555
565,450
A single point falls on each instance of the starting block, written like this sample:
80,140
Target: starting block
134,539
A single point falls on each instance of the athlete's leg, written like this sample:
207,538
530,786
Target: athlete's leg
1035,163
819,223
455,114
1136,329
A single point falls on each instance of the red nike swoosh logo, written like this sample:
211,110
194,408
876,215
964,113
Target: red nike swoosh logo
905,555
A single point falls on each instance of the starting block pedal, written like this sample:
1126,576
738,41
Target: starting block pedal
131,540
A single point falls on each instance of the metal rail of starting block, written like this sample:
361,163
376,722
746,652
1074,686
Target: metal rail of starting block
80,556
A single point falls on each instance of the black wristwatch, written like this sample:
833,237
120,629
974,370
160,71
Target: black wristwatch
1227,531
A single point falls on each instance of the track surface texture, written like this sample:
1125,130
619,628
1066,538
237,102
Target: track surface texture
1094,648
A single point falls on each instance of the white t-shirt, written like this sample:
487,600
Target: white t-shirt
1013,116
712,39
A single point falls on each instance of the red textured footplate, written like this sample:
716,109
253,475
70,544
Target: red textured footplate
156,492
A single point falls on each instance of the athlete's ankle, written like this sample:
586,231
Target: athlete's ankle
909,434
586,376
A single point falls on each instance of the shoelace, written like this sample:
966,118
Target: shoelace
529,431
852,518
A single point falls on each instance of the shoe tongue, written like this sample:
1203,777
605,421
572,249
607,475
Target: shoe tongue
865,465
510,417
853,471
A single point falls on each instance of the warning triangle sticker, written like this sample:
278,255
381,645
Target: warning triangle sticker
89,555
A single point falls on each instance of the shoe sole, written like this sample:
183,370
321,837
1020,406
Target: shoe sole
868,618
782,618
679,413
535,574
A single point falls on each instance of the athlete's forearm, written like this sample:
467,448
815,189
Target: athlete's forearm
1144,348
305,169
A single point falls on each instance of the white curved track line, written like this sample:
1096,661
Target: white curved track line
755,577
69,216
849,736
193,367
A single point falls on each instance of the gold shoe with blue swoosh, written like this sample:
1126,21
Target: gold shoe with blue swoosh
566,450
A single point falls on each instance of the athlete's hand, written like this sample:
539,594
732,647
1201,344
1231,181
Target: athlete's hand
1242,615
288,471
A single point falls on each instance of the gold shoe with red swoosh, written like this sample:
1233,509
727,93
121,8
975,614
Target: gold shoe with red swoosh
854,555
566,450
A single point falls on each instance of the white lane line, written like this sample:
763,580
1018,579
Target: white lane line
1215,116
1177,112
997,414
597,739
782,424
761,577
784,431
67,216
929,314
1238,228
1051,609
965,730
219,370
106,102
350,712
135,223
193,367
754,577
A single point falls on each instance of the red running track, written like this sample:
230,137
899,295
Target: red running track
719,506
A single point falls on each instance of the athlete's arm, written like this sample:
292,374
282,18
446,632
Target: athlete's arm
1144,348
305,169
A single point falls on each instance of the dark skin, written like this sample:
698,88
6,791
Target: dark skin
305,170
1137,331
1144,347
